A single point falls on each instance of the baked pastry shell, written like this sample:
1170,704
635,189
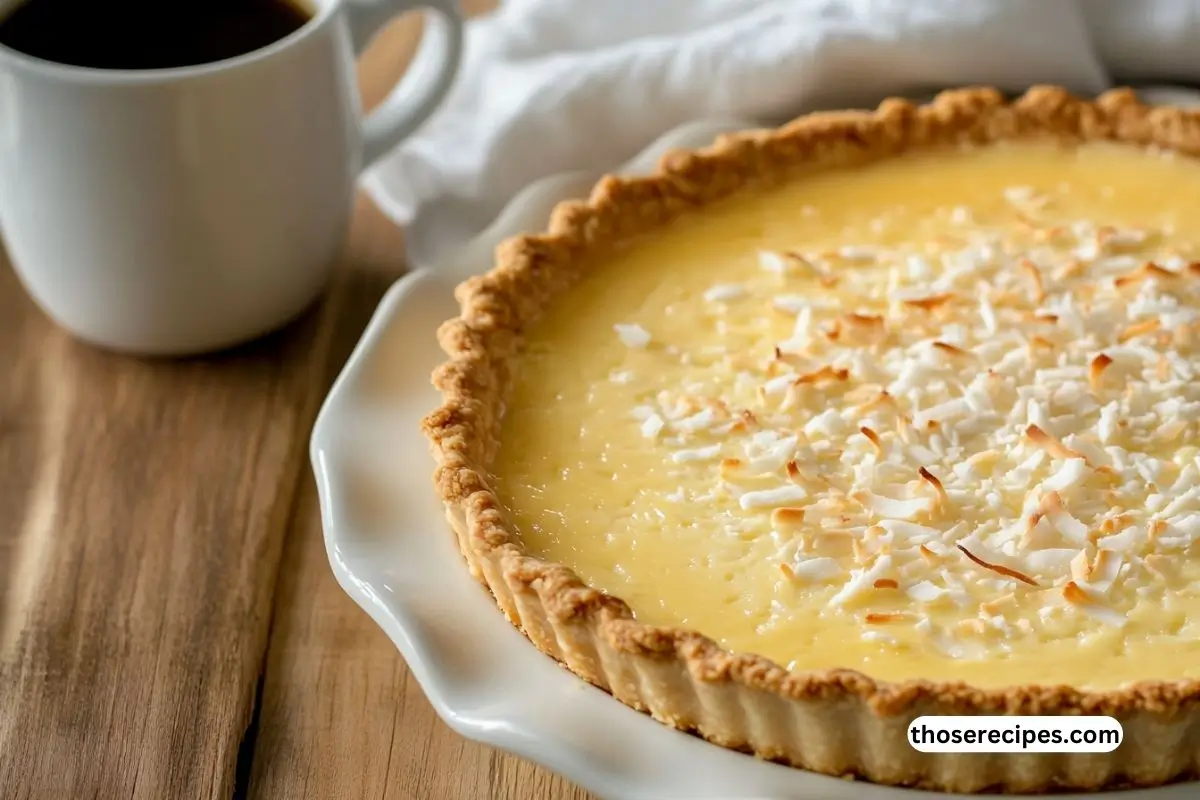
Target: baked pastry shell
837,722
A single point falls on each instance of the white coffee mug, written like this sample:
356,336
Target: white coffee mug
178,211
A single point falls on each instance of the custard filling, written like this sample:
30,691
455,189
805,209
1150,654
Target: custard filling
934,417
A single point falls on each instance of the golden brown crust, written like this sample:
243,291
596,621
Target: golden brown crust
681,677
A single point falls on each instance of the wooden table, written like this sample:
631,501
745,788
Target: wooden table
169,625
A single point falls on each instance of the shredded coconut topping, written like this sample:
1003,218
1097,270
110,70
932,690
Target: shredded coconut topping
1006,417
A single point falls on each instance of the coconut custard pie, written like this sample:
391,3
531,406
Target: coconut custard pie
874,416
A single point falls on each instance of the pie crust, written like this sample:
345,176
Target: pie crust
837,722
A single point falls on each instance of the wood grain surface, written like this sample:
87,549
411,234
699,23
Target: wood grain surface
169,625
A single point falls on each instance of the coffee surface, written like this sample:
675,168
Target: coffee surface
139,34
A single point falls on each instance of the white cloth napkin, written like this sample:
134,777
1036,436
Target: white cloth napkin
557,85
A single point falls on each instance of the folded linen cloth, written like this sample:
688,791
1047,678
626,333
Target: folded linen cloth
559,85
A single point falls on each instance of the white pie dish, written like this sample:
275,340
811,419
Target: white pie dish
392,551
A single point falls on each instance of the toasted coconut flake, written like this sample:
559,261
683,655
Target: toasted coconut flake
822,375
864,320
873,438
1077,596
730,467
1051,233
998,604
999,569
1051,444
952,350
1139,329
882,399
799,260
1049,504
1147,270
886,583
1156,528
1156,271
787,517
1096,371
862,393
943,499
1033,525
1131,237
931,303
867,328
1051,507
884,617
862,579
1035,278
1118,523
1041,343
1105,567
1072,269
929,556
875,531
1184,337
790,262
787,571
794,473
1044,317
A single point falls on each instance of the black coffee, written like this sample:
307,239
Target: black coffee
147,34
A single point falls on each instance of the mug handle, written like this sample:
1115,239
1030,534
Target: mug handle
424,86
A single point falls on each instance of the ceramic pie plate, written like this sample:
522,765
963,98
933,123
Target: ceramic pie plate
392,552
